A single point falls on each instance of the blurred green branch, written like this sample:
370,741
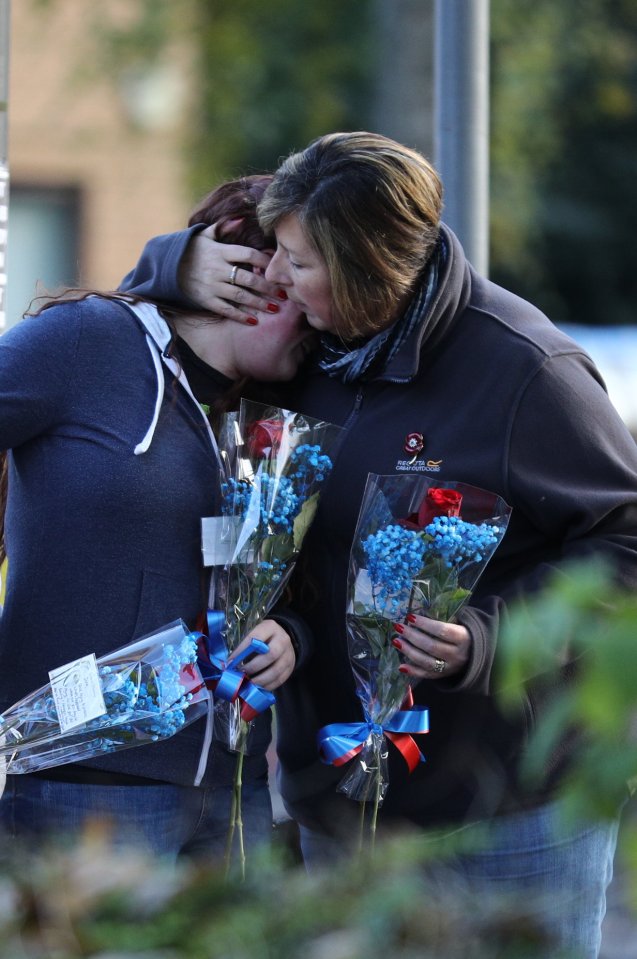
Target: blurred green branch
583,622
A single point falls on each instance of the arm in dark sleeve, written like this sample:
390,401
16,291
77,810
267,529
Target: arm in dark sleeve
156,276
572,481
573,473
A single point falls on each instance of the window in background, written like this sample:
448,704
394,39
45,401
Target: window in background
43,243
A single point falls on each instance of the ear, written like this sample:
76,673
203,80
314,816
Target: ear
229,226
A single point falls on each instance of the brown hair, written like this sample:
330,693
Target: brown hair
371,208
236,200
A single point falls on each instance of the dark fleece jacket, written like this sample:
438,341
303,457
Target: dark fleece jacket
505,402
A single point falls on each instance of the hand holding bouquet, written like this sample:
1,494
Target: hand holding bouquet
277,463
418,549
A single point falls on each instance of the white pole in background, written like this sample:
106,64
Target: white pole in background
5,20
461,121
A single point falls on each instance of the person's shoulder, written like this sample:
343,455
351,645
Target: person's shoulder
87,324
518,320
69,314
99,316
54,323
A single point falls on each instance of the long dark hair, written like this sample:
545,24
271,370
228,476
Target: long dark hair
233,206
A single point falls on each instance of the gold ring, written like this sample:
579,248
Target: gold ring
233,275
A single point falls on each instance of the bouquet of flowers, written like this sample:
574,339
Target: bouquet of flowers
277,463
141,693
418,548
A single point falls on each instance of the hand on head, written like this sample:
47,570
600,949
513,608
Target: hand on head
207,276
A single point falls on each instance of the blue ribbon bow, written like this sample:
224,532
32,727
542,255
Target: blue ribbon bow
227,680
340,742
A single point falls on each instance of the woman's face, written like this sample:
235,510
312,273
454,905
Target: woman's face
302,272
273,350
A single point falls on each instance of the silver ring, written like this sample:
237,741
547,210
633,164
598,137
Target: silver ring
233,275
439,665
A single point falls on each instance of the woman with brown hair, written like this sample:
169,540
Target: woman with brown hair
414,341
111,463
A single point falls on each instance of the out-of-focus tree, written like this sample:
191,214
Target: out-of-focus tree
274,75
564,141
267,77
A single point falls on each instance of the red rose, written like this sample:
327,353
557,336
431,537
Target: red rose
263,436
439,502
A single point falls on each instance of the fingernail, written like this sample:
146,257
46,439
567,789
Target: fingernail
399,628
397,643
403,669
410,618
282,295
272,308
252,321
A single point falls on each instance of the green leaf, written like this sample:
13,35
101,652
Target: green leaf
304,520
281,547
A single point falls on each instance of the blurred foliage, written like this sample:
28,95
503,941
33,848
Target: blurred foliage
270,77
582,617
92,902
564,139
276,75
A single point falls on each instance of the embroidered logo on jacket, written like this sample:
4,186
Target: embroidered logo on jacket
418,466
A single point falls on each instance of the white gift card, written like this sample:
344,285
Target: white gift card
220,540
77,692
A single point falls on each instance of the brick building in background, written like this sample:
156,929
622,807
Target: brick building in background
95,158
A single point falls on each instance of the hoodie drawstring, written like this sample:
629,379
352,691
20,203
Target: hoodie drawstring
145,443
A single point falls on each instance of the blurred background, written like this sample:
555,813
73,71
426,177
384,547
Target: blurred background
122,113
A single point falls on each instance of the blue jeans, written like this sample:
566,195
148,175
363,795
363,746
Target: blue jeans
556,871
162,819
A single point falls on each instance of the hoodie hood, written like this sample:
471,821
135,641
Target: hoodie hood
158,338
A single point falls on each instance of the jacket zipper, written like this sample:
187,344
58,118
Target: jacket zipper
358,402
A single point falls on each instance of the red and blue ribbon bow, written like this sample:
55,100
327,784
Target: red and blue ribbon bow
227,680
340,742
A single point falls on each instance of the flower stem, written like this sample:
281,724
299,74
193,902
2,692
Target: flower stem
239,811
377,795
236,818
361,831
231,828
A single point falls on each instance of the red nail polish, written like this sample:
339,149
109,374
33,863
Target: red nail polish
252,321
272,308
403,669
397,643
410,618
399,628
282,295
